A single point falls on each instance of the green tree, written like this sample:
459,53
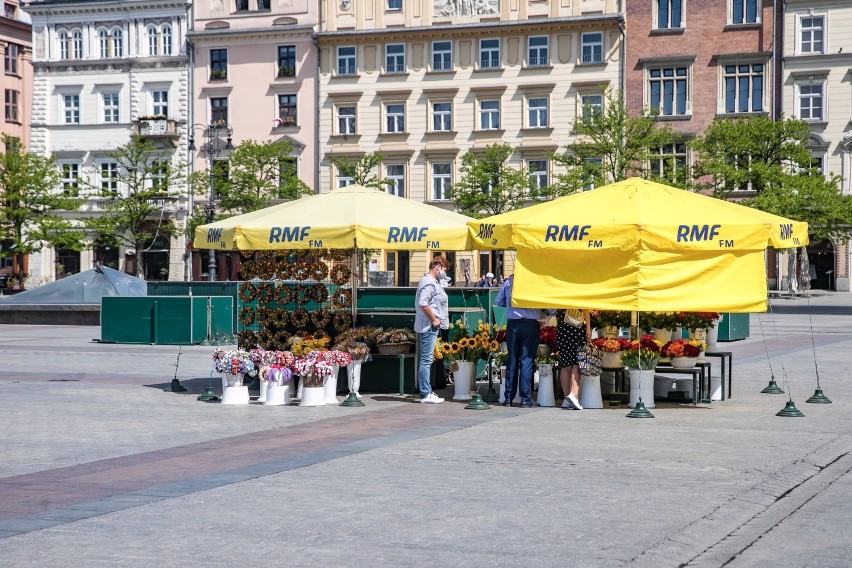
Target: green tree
135,218
610,146
30,204
750,153
489,185
257,173
361,170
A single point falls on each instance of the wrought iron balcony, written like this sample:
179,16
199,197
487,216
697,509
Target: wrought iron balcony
156,128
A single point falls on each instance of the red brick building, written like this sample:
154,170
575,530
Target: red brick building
694,60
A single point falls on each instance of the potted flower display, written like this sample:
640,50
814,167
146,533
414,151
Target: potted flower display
278,377
641,359
609,323
683,352
663,324
544,374
359,353
233,364
611,347
463,351
313,367
396,341
337,358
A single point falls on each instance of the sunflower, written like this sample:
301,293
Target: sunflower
446,347
455,347
462,342
494,346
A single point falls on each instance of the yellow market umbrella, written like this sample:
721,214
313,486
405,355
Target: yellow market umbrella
640,245
637,212
353,216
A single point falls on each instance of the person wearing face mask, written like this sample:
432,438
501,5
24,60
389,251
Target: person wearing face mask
431,316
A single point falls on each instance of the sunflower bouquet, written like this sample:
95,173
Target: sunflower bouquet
467,346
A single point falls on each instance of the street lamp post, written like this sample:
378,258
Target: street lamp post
212,148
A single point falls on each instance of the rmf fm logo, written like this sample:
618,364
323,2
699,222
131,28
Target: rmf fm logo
486,231
213,235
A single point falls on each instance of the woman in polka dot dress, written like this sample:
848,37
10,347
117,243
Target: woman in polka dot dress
573,327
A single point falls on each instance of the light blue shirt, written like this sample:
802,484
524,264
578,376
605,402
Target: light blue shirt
430,293
504,300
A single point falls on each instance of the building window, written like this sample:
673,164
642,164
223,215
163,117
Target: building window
592,47
70,177
395,118
594,166
669,14
12,109
812,35
395,5
442,117
743,88
11,59
64,45
489,54
669,163
218,110
159,40
117,43
160,103
395,58
77,44
442,177
71,45
109,177
160,170
743,11
9,11
167,40
218,64
395,175
537,112
346,120
591,105
71,105
153,41
286,60
111,107
287,110
537,51
111,43
242,5
442,56
288,169
811,102
264,5
343,180
346,60
538,174
489,115
667,89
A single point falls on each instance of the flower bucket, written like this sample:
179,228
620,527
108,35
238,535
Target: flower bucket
641,386
264,386
712,337
463,379
277,395
699,333
611,360
590,391
664,335
683,362
230,380
313,396
353,374
610,331
330,386
546,396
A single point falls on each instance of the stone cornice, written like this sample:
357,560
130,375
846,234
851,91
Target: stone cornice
71,7
115,65
272,31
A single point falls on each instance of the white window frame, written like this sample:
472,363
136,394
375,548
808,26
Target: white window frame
153,34
342,180
108,173
110,107
12,108
737,74
442,60
394,117
347,124
70,108
583,100
489,56
166,39
538,116
539,178
396,179
538,55
394,6
801,30
395,62
158,102
442,120
668,12
440,182
744,4
802,96
675,156
69,172
346,64
594,46
117,42
488,116
672,76
77,43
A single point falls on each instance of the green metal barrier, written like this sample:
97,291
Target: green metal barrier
165,320
733,327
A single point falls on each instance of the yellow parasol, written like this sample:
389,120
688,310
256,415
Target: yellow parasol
353,216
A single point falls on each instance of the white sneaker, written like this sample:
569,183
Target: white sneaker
574,402
432,398
567,404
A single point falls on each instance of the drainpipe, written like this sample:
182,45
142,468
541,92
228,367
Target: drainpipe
190,162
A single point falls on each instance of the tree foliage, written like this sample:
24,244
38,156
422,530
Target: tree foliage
31,202
257,173
135,217
361,170
489,184
610,146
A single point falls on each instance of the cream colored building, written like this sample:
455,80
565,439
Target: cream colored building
817,60
424,82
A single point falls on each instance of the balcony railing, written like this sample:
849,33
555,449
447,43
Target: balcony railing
157,129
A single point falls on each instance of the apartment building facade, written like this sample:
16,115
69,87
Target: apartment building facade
423,82
102,71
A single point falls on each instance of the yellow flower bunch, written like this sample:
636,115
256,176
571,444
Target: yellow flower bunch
697,343
305,346
467,347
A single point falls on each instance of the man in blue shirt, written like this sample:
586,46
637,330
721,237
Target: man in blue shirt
522,334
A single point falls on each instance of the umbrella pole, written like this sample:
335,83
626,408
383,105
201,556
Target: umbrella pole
354,277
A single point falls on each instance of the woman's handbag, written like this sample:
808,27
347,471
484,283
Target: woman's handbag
589,359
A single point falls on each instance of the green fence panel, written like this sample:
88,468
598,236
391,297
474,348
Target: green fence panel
198,288
733,327
165,320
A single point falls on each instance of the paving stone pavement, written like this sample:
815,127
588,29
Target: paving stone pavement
101,467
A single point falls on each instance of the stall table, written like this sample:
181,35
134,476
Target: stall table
723,356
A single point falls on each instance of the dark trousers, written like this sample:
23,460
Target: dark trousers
522,342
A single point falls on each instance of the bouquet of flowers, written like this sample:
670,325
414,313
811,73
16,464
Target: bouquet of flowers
362,334
682,348
232,362
659,320
601,318
303,345
357,351
547,336
642,354
544,359
698,320
338,358
464,346
257,358
277,374
611,345
313,367
395,335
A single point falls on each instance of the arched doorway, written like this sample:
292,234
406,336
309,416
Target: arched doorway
156,258
821,259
